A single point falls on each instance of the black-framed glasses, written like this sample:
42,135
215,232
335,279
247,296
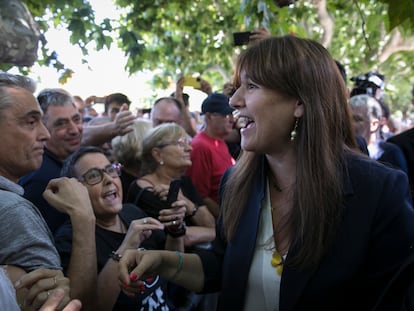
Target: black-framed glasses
95,175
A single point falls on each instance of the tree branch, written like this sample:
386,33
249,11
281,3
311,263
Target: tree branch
326,21
396,43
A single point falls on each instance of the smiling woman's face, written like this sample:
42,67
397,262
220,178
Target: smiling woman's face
106,196
268,116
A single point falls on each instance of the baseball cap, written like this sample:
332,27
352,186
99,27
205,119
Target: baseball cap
216,102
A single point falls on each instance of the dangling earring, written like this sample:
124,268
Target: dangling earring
294,133
161,162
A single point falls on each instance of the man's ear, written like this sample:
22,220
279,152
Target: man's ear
374,125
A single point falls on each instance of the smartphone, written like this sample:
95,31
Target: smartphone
241,38
172,195
191,81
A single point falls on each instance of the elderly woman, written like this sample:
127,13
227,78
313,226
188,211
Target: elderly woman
166,156
118,228
127,150
307,223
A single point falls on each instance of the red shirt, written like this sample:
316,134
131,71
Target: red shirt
210,157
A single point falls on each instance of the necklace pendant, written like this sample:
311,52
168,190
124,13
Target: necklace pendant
279,269
277,262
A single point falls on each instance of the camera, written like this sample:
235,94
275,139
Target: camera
367,83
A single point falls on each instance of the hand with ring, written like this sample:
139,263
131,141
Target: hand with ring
173,216
138,231
41,284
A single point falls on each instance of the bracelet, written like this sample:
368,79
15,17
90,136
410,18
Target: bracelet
115,256
177,233
180,264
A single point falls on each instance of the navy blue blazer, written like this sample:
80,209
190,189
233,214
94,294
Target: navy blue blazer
405,141
375,238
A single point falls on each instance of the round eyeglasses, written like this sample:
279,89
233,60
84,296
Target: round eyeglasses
95,175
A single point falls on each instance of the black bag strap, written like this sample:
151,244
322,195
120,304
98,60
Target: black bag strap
139,194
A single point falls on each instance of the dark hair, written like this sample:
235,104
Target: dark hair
67,169
54,97
118,98
302,69
342,70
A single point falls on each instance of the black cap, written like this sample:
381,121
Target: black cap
217,102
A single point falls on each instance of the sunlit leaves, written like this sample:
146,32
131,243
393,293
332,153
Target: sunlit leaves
195,36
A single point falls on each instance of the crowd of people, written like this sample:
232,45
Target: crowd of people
293,195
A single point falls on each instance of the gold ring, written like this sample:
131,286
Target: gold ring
174,222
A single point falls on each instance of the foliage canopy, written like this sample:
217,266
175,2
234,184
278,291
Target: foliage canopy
195,37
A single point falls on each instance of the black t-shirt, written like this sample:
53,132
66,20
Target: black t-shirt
154,297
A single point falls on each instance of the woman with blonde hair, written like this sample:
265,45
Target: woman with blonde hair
127,150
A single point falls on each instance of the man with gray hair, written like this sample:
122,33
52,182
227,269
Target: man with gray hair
367,114
26,243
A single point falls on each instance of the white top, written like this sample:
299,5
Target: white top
264,282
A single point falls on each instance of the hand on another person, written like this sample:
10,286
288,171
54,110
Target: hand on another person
123,121
41,284
55,298
135,266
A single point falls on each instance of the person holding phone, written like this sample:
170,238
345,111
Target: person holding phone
306,222
165,157
118,227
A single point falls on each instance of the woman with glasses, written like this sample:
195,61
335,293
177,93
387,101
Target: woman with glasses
118,228
166,156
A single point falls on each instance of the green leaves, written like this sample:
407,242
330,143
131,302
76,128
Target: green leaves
400,13
189,37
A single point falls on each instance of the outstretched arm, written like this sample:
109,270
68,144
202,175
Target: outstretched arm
183,269
138,231
96,135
